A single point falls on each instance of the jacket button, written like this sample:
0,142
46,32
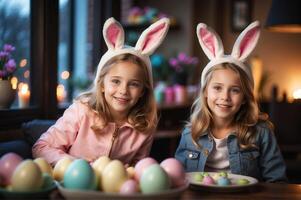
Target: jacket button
190,155
206,152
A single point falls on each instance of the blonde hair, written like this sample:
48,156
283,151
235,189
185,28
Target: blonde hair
245,119
142,116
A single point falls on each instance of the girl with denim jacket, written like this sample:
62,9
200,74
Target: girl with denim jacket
226,131
117,116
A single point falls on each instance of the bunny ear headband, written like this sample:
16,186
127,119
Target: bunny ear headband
149,40
214,50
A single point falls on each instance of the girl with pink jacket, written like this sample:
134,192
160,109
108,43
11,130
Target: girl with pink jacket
117,116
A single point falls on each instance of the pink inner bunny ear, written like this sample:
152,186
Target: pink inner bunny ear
209,41
113,34
153,36
246,41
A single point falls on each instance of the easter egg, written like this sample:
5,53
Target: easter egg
142,165
79,175
8,164
129,187
27,177
47,180
198,177
100,163
242,181
131,172
223,181
154,179
60,168
175,171
113,176
44,165
208,180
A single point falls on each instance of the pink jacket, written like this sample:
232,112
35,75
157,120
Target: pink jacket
72,136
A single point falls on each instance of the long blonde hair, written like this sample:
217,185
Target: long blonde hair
143,115
245,119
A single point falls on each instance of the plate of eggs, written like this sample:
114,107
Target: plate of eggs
111,179
220,181
25,178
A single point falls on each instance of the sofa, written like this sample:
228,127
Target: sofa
31,131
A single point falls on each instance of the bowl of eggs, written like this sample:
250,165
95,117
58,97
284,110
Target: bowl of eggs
25,178
111,179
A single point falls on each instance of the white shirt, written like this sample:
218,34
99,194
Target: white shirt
218,159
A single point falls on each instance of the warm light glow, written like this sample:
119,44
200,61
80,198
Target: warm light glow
14,82
23,95
65,75
256,64
60,93
297,94
26,74
23,63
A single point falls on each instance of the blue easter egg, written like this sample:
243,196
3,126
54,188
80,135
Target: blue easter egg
79,175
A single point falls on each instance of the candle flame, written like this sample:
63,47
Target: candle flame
297,94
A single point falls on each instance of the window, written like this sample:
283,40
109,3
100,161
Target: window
15,30
48,53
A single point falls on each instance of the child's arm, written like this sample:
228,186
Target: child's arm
55,142
272,165
180,152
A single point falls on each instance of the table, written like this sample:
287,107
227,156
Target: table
264,191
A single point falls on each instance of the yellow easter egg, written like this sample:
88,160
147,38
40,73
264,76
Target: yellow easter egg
44,165
60,168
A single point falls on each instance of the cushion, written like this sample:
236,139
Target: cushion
19,147
34,129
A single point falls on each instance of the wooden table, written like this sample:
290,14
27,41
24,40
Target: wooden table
264,191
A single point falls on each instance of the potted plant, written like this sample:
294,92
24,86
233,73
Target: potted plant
7,69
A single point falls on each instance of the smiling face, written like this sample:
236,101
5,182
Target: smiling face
123,86
224,94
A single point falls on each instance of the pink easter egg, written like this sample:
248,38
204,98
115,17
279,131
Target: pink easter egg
175,171
8,163
129,187
142,165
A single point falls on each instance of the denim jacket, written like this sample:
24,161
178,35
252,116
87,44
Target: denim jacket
264,163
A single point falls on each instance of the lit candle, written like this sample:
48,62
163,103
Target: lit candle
60,93
23,95
297,94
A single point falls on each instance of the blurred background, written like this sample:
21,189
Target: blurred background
56,46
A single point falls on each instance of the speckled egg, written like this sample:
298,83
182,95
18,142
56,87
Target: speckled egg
27,177
79,175
8,164
154,179
175,171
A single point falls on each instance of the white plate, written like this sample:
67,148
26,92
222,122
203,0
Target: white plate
91,194
229,188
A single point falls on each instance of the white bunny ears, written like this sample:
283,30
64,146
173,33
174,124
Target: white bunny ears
213,48
147,43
